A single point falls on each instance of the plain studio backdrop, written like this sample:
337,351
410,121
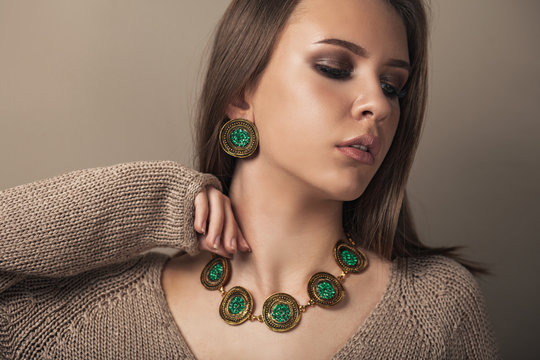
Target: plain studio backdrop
95,83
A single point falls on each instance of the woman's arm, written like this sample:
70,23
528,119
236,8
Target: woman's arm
94,217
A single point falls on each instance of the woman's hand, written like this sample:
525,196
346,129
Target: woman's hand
222,235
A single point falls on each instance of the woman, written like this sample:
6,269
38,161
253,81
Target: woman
309,118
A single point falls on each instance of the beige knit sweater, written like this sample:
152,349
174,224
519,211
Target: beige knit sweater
73,284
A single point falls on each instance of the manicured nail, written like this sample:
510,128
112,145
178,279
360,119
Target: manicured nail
233,245
216,243
245,244
204,227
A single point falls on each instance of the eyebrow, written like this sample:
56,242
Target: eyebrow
360,51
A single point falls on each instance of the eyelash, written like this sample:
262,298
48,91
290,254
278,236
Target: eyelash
343,75
333,73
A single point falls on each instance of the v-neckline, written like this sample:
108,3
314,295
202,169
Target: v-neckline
383,303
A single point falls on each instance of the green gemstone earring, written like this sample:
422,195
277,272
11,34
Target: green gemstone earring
239,138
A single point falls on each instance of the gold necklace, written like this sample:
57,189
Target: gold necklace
281,312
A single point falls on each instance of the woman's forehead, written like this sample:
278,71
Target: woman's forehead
372,24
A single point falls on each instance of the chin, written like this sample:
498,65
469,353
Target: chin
347,187
346,191
352,195
337,185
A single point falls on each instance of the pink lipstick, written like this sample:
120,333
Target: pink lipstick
362,148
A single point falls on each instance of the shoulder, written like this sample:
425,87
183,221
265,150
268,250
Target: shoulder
433,306
440,274
437,272
435,269
445,295
441,285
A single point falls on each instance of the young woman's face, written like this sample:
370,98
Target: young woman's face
334,76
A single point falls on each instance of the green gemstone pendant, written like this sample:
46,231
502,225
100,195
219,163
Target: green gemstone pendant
216,272
349,258
281,312
324,289
236,306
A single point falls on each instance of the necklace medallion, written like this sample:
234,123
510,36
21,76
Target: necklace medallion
349,258
236,306
216,273
324,289
281,312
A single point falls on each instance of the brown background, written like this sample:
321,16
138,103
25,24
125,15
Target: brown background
95,83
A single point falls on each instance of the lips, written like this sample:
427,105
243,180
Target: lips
364,157
372,143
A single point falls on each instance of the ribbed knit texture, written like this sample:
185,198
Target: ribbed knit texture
73,284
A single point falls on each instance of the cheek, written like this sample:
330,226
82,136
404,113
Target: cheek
295,109
389,129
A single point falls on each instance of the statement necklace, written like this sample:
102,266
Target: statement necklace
281,312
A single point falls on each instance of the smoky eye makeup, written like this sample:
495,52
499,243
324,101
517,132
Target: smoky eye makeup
393,85
333,66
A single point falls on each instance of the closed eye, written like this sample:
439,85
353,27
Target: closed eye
391,91
333,72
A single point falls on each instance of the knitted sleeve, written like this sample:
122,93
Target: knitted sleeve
90,218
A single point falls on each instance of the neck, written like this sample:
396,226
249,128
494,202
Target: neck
290,231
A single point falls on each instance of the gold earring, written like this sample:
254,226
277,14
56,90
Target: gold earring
239,138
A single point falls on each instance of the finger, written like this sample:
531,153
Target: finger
215,218
230,228
243,242
203,245
201,211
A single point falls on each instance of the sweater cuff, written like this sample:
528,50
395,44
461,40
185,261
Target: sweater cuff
191,242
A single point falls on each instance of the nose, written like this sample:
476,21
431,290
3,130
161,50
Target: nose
371,103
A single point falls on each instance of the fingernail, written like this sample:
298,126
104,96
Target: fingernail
204,227
245,244
216,243
233,244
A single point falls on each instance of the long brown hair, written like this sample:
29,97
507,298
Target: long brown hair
380,219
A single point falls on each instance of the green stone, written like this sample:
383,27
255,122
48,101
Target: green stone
240,137
326,290
349,258
237,305
281,313
216,272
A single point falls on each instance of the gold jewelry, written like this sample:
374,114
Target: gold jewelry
239,138
281,312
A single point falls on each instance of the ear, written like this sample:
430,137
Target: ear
240,108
